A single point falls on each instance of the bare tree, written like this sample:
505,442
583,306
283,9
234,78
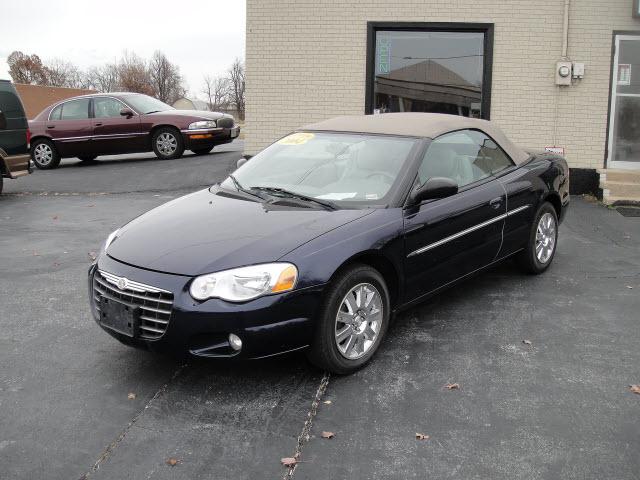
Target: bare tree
59,73
165,78
26,68
216,91
104,79
133,75
236,80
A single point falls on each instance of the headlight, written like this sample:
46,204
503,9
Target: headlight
112,236
202,124
246,283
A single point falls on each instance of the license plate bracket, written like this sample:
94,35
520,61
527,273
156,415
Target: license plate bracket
119,317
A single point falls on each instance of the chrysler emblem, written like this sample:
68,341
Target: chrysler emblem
122,283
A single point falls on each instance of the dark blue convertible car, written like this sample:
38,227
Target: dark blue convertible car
317,241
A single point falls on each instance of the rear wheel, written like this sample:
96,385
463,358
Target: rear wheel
352,322
44,154
202,151
87,158
543,239
167,143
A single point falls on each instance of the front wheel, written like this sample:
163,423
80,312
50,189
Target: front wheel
543,239
44,154
167,143
352,321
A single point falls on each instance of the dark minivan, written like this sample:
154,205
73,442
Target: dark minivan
14,134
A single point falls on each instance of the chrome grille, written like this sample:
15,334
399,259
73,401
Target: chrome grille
154,303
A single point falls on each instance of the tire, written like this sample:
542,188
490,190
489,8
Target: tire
330,347
202,151
87,158
543,241
167,143
44,154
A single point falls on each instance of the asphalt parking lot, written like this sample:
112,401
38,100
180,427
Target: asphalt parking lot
559,407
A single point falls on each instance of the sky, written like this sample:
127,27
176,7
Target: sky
200,36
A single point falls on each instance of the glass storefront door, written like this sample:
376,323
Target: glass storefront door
429,69
624,118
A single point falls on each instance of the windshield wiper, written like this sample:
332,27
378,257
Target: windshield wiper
240,188
287,193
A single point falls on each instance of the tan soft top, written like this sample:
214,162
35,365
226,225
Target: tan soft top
413,124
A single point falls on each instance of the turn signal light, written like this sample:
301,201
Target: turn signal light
286,280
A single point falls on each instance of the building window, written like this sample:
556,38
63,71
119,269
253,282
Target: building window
428,67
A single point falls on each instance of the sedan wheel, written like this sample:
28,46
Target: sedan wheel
167,143
352,321
358,321
44,155
543,238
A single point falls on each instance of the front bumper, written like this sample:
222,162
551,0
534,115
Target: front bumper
267,326
205,137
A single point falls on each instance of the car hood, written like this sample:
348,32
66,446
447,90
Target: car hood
200,114
209,231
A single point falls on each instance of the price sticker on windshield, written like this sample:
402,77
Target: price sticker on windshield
299,138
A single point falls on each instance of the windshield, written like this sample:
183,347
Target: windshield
344,168
146,104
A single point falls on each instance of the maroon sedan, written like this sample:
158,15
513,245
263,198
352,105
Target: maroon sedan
115,123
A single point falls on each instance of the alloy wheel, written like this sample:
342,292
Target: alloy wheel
545,238
358,321
167,144
43,154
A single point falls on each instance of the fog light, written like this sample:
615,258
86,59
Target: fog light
235,342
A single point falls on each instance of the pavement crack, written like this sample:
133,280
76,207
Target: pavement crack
106,453
303,438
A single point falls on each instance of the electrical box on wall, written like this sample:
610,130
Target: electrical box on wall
563,73
578,70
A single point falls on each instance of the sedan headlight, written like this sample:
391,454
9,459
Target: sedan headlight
246,283
112,236
202,124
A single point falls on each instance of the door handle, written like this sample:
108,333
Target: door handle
51,126
99,124
495,203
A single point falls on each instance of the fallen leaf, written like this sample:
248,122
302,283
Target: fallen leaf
55,217
422,436
93,256
288,461
526,342
452,386
635,388
56,264
327,435
131,396
173,462
629,287
36,254
327,402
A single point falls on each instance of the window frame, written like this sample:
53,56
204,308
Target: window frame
485,28
62,105
92,109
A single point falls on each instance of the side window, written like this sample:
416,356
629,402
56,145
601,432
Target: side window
56,113
10,104
75,110
106,107
465,156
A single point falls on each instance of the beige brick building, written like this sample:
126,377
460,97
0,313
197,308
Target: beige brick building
312,59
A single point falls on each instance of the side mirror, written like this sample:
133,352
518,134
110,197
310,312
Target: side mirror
126,112
242,161
3,121
435,187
